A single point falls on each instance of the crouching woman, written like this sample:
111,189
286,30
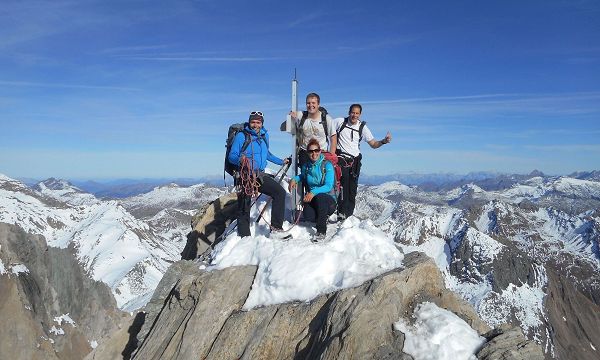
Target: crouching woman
318,176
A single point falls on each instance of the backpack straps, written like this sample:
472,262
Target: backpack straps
248,140
323,171
360,129
323,121
344,125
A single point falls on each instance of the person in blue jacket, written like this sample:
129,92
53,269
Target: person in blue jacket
320,198
257,152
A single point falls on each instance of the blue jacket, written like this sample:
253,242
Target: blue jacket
312,176
257,151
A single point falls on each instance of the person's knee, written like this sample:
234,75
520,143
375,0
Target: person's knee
280,190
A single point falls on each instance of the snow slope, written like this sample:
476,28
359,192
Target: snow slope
63,191
128,254
446,232
299,269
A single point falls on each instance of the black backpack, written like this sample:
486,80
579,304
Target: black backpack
360,129
233,130
323,120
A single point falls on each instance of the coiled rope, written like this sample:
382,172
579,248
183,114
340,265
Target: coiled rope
248,184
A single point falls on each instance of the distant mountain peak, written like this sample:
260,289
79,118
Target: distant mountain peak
536,173
57,184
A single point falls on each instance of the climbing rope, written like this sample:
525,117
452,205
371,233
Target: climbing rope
248,184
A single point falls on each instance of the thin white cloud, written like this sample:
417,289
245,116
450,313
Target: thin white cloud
65,86
133,49
204,58
486,107
582,60
27,21
381,44
595,148
305,19
500,97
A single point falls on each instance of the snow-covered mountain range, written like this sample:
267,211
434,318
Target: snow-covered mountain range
510,250
129,253
504,250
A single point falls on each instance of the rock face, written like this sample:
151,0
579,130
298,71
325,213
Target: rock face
40,284
574,318
196,314
508,343
208,224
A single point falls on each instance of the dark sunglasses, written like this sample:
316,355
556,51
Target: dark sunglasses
259,113
314,150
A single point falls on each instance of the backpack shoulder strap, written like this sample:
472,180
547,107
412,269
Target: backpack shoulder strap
323,171
324,123
247,141
303,119
360,130
344,125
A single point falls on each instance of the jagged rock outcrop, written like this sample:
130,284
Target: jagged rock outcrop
574,318
46,283
508,343
208,224
198,314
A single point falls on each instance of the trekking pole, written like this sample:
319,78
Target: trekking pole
287,166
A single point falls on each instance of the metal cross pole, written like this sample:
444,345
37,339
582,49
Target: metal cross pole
296,195
289,125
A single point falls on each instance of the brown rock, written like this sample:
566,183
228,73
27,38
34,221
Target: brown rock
201,317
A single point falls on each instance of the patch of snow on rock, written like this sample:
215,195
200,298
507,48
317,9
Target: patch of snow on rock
57,331
64,318
438,334
17,269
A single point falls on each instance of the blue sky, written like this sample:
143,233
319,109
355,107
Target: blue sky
109,89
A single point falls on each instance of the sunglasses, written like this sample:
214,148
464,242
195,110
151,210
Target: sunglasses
259,113
314,150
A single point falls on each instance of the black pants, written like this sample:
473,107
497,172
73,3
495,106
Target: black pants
318,210
349,182
268,187
302,159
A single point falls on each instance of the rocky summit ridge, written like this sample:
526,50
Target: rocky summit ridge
196,313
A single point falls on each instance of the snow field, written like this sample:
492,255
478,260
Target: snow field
300,270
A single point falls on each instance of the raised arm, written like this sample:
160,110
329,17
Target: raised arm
377,143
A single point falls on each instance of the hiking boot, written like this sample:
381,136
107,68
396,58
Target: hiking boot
278,233
318,237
